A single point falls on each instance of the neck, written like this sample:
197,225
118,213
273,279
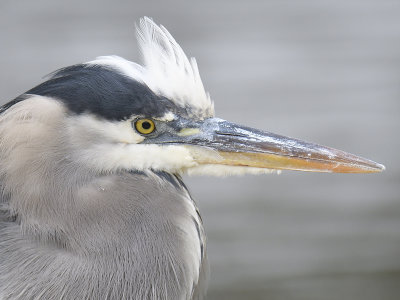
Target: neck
94,235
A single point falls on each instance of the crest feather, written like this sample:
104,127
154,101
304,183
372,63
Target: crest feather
166,70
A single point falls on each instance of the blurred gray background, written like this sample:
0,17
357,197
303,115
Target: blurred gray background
323,71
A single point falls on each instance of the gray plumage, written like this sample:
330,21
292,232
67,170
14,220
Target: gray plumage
121,242
120,248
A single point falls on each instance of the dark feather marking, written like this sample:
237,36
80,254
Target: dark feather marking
102,91
199,236
179,179
170,178
177,182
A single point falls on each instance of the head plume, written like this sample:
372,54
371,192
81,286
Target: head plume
166,70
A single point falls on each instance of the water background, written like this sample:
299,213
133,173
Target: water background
323,71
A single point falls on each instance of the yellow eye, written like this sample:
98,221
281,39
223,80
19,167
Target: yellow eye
145,126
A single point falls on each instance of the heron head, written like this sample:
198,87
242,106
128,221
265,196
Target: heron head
120,115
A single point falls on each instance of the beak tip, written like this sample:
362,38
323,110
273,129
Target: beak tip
374,167
380,167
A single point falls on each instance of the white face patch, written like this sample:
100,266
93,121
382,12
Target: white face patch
141,157
89,127
114,145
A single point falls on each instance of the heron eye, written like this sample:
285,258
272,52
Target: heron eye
145,126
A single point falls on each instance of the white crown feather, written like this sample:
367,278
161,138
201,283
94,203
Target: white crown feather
166,69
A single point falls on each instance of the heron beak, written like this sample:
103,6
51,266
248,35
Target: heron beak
238,145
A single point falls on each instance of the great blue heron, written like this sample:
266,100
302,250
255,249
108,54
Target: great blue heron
93,205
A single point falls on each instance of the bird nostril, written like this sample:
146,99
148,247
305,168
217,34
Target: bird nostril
230,134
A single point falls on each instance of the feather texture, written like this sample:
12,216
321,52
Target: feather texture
166,70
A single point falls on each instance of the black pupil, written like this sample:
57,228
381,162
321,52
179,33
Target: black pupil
146,125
